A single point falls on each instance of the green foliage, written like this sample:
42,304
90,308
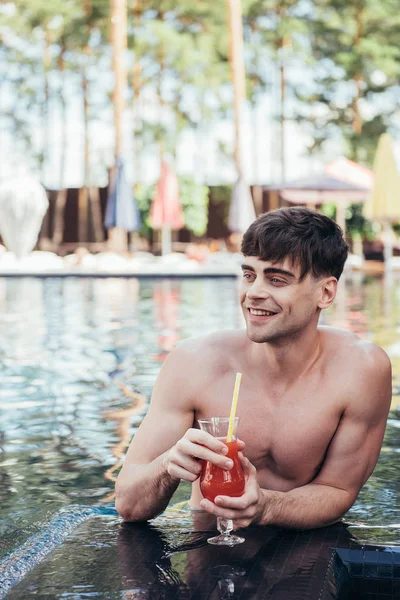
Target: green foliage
356,224
41,43
194,200
177,63
329,209
143,196
221,198
352,90
180,50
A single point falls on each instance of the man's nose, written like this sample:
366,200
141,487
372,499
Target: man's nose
257,290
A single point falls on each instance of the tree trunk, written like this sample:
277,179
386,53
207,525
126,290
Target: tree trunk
282,119
46,108
58,231
63,136
119,45
61,198
83,197
137,88
236,59
118,239
45,242
95,212
85,97
161,55
83,211
357,119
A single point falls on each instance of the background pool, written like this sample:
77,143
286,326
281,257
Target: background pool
78,359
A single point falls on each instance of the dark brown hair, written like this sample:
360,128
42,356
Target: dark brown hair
308,238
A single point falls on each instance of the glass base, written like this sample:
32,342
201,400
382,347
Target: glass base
225,539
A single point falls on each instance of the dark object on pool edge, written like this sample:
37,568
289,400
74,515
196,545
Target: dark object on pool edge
369,573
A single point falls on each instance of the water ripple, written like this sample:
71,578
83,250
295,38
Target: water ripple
15,566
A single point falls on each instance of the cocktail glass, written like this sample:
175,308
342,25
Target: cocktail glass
216,481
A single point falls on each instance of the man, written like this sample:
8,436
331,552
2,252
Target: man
313,402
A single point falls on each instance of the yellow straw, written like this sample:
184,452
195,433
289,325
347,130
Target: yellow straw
233,407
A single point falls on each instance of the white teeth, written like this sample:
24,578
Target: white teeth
261,313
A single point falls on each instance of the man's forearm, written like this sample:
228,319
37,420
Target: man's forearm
144,491
310,506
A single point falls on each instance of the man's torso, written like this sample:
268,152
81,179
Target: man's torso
287,428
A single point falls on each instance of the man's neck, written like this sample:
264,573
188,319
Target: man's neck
290,358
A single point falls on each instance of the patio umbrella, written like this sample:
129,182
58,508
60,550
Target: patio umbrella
23,204
384,201
347,170
241,209
121,208
320,188
166,210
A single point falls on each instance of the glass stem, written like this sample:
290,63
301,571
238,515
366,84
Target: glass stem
224,526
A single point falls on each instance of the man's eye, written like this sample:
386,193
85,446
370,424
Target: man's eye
276,280
248,275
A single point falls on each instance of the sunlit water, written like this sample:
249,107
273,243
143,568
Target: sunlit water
78,359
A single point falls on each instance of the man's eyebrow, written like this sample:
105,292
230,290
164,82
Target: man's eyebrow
270,270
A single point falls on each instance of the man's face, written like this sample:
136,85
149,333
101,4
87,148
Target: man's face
276,304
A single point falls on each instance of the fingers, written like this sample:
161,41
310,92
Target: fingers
225,513
183,461
240,503
240,444
244,509
205,439
248,468
241,523
240,518
177,472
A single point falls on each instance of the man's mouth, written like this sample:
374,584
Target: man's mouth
258,312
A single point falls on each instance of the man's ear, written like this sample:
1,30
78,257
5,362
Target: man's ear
327,292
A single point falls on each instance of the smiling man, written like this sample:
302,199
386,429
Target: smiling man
313,403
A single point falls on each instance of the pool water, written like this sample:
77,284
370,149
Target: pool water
78,359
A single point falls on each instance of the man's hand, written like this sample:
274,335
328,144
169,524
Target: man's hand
245,509
183,461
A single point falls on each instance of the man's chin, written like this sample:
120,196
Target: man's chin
258,337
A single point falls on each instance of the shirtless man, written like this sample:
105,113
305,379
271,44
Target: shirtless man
313,401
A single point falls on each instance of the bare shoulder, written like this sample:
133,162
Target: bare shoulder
212,349
207,356
361,366
360,354
217,341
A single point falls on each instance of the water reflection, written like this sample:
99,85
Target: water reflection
166,302
78,359
284,563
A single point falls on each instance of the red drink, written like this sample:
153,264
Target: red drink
215,481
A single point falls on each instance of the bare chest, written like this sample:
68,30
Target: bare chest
286,437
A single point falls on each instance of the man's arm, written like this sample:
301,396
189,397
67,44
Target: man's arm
350,460
166,449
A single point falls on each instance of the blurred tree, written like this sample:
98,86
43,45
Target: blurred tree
279,29
179,70
354,87
30,33
194,199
